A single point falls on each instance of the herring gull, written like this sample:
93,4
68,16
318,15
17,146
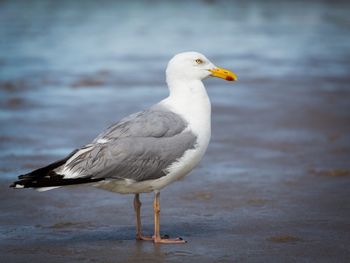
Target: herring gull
148,150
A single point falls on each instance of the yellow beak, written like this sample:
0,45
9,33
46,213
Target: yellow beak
223,73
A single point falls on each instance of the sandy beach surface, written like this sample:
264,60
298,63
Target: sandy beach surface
274,185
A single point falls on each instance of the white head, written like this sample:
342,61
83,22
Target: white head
190,66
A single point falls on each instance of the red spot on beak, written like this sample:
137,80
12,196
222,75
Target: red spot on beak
229,78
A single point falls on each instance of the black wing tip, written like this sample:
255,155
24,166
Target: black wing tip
30,180
52,182
17,185
23,181
47,177
22,176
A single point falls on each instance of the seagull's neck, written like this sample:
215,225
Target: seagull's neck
184,90
189,99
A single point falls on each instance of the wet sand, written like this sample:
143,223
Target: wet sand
274,184
273,187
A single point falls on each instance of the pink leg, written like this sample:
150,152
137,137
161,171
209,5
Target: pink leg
137,207
157,238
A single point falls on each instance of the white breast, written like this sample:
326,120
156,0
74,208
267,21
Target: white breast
194,106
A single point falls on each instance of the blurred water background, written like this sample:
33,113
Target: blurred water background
70,68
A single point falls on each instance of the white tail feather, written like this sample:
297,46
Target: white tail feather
43,189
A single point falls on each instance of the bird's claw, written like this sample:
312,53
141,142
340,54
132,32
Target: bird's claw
166,240
144,238
161,240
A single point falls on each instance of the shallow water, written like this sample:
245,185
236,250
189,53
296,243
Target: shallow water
70,63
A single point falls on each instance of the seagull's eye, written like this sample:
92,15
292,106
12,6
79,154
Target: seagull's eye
199,61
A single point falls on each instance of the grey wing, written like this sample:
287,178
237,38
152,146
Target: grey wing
155,122
139,147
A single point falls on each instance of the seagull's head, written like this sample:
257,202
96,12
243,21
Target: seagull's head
195,66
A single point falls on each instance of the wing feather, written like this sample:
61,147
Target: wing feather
139,147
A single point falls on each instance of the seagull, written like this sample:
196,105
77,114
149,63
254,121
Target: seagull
147,150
